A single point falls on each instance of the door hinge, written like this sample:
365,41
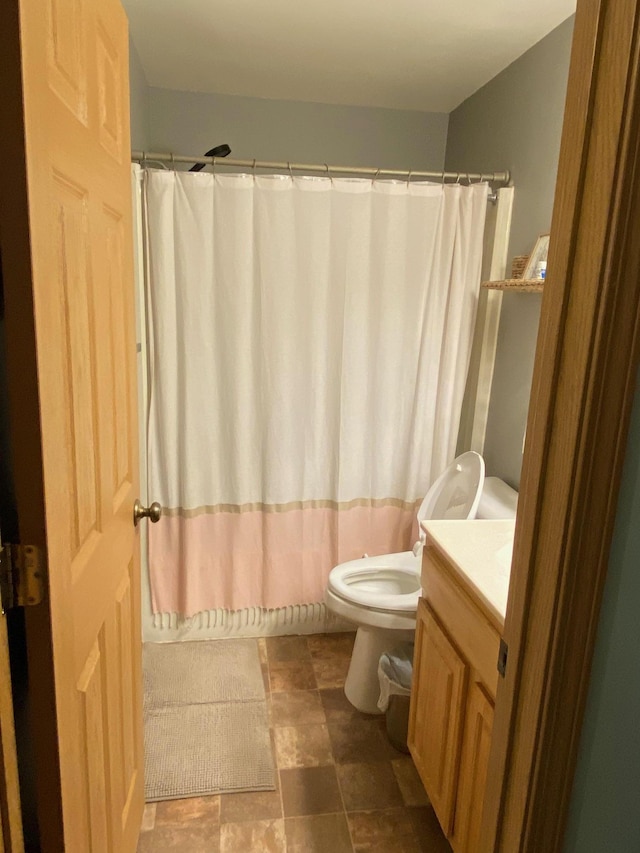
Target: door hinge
21,576
503,653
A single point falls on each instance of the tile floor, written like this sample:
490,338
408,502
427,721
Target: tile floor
342,787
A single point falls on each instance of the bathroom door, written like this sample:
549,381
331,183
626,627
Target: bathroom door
65,228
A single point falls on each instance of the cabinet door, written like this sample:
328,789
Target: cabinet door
476,744
437,709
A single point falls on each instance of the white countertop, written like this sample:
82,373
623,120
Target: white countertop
480,551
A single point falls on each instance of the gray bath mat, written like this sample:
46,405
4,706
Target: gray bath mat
206,728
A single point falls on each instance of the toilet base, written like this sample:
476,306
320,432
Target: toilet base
362,687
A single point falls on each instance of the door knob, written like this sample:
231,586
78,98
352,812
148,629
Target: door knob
152,512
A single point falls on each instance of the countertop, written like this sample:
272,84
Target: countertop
480,552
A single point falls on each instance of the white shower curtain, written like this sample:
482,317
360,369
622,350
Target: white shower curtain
309,344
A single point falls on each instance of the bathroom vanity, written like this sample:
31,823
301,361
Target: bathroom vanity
465,580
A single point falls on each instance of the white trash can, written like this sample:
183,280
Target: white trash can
395,673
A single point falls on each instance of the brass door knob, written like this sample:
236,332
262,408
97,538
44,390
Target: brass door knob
152,512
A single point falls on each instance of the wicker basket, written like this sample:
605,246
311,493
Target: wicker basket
518,285
518,265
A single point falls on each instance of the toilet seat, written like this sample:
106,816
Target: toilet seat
390,582
373,617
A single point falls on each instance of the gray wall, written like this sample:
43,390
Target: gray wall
515,123
139,100
605,807
192,123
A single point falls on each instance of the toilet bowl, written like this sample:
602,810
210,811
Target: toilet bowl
380,594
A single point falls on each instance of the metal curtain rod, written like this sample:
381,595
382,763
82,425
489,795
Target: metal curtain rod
467,177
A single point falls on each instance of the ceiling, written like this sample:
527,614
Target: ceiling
405,54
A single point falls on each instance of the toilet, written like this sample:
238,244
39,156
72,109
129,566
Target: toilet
380,594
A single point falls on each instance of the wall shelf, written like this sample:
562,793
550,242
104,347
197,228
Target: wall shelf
518,285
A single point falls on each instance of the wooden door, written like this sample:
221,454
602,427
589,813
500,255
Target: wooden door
10,818
67,267
476,746
436,715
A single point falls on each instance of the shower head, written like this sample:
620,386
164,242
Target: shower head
219,151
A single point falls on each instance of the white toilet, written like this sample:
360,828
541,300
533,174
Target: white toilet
380,594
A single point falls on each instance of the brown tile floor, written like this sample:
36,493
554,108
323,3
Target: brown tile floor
342,788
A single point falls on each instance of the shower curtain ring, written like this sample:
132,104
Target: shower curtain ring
329,175
409,177
375,177
290,170
173,162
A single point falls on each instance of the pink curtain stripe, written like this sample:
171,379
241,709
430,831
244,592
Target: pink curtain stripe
232,561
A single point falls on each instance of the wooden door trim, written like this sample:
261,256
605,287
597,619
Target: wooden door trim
583,389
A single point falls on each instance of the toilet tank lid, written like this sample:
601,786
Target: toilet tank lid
498,500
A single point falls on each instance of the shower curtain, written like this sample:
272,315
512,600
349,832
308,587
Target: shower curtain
309,344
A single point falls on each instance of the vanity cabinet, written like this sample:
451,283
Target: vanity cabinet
452,701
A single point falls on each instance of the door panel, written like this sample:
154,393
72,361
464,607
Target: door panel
90,692
74,62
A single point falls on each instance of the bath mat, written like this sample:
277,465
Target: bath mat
206,728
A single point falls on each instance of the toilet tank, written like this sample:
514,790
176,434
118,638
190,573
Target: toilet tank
498,500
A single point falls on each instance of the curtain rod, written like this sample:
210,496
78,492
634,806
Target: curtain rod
467,177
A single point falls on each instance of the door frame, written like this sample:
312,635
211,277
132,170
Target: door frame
583,389
11,838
